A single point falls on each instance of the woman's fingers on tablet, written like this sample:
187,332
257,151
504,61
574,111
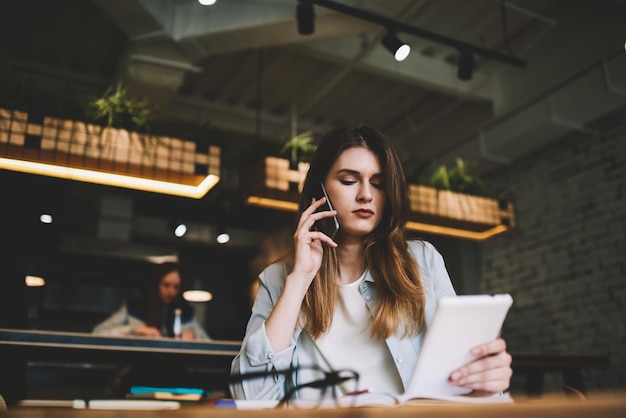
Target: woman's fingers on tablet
492,347
491,372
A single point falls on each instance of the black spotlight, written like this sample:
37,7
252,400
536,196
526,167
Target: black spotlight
466,66
305,14
393,44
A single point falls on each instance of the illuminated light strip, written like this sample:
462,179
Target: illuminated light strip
272,203
110,179
455,232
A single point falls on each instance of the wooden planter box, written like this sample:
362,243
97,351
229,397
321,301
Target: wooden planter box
66,144
271,183
450,213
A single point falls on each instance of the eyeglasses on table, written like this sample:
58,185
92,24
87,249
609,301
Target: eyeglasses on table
336,388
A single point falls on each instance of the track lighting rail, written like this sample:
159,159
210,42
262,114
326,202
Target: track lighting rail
396,26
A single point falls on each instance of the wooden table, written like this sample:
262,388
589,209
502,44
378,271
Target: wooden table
71,346
217,355
605,406
71,358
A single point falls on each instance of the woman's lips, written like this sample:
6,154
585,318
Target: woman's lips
363,213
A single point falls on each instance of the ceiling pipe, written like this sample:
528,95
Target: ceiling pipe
420,33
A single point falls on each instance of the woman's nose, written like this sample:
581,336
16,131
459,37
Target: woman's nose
365,193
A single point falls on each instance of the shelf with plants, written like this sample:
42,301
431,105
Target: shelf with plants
456,204
115,139
276,180
453,203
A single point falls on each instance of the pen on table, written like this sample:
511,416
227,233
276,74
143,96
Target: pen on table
359,392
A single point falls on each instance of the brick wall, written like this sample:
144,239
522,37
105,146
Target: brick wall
565,265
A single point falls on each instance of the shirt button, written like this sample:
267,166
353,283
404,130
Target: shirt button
399,359
270,356
368,298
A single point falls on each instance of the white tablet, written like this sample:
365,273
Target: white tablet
459,324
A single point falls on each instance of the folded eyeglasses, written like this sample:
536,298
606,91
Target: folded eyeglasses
336,388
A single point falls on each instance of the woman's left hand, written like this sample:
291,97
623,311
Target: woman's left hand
187,334
490,373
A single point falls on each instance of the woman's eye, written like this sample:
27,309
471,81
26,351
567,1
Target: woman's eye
348,182
378,185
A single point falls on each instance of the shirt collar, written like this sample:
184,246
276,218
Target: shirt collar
368,276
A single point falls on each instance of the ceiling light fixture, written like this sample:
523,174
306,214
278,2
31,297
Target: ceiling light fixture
197,293
400,27
207,2
393,44
35,271
180,230
305,16
222,236
34,281
466,66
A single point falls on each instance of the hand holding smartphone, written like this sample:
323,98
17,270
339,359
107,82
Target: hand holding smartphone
328,226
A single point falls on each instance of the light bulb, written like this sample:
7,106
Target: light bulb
34,281
222,238
197,295
180,230
402,52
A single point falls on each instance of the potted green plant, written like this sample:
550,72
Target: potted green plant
457,204
457,179
275,181
299,148
118,110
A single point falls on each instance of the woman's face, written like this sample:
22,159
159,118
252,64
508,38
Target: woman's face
356,187
169,286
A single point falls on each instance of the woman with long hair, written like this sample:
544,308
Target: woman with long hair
152,316
360,300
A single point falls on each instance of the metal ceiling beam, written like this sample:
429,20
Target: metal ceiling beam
397,26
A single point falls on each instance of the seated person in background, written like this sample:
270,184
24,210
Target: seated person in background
153,316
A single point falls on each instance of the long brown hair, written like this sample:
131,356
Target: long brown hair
400,295
154,304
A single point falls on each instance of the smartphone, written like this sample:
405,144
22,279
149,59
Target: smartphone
329,226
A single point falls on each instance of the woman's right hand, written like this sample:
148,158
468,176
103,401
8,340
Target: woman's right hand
308,242
145,331
308,258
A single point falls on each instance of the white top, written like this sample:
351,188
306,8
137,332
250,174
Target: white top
349,345
257,355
